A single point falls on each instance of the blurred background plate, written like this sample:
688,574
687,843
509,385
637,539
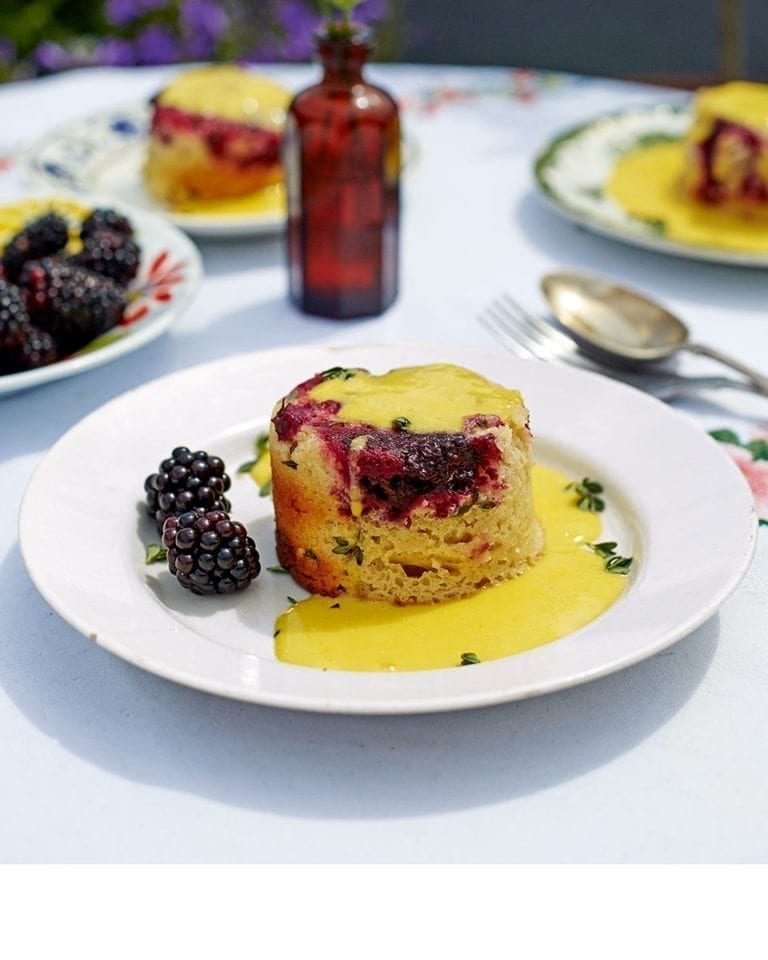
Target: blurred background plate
572,171
168,279
104,153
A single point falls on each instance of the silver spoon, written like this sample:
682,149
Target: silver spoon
624,327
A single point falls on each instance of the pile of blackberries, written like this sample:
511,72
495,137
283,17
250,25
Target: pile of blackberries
208,552
52,304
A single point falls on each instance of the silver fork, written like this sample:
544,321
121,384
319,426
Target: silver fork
527,335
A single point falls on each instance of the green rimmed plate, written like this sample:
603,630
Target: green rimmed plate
572,171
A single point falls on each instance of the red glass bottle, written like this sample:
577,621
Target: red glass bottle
342,166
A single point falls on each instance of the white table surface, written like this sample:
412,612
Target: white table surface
664,761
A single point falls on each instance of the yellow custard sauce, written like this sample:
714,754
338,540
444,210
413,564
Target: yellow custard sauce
433,398
15,216
267,202
646,183
564,590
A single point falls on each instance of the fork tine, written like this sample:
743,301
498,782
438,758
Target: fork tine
491,323
555,340
527,338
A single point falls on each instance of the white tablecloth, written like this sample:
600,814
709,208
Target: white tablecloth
664,761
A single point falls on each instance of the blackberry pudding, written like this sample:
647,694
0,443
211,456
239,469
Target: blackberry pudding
409,487
727,148
215,133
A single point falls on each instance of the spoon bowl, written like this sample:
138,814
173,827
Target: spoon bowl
613,319
623,327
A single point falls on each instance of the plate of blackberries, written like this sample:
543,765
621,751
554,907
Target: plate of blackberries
84,283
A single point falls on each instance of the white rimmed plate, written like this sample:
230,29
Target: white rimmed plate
167,281
676,502
104,153
572,170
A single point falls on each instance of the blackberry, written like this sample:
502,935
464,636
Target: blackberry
71,303
38,351
105,219
209,553
110,254
41,238
186,480
14,323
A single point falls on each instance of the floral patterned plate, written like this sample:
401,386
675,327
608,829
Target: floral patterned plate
104,153
168,279
572,170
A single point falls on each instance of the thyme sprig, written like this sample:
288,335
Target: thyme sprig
586,492
345,548
614,563
260,445
337,373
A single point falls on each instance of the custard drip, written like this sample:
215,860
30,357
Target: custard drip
565,589
267,202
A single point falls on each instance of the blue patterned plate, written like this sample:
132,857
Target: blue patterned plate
104,153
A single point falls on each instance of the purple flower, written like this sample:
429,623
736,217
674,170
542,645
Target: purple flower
156,44
50,57
114,52
205,16
122,12
371,11
7,52
203,22
297,24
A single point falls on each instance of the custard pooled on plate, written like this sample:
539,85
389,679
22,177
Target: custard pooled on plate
216,133
409,487
726,163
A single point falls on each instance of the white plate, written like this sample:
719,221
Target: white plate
572,170
677,503
104,153
167,281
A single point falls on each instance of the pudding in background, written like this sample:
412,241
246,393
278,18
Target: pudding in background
216,134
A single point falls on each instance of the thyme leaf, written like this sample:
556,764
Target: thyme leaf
467,659
337,373
401,423
345,548
613,562
586,494
605,549
156,552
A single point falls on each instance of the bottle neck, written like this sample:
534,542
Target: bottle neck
343,58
